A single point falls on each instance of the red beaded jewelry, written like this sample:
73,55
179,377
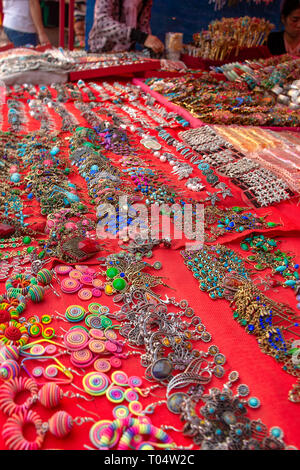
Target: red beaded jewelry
13,431
60,425
50,395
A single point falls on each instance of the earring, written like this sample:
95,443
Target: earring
50,372
9,369
44,276
14,303
13,431
121,433
51,395
25,284
9,355
194,373
60,425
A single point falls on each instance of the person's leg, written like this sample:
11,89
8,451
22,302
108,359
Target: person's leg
89,19
18,38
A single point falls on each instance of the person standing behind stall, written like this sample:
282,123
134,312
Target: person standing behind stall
79,22
287,41
23,23
120,24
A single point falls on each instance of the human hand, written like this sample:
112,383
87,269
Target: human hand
43,38
172,65
152,42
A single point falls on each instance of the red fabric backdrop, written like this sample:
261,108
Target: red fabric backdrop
266,379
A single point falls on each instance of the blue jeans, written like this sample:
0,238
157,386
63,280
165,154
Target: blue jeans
18,38
89,20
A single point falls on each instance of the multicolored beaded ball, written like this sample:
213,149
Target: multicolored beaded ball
50,395
36,293
9,369
9,352
44,276
60,425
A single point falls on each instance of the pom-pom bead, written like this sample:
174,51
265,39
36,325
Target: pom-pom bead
9,352
60,424
5,316
50,395
36,293
44,276
143,429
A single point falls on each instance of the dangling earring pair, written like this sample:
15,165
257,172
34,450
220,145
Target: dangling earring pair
50,395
